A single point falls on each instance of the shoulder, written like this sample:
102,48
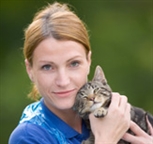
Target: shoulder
28,133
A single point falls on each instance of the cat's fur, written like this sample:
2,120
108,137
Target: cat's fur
95,96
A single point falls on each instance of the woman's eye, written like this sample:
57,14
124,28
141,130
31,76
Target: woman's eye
46,67
74,64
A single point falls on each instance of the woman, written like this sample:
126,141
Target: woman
58,58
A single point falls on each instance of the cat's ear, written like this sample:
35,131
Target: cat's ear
99,75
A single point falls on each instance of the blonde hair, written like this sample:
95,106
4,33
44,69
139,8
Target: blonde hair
57,21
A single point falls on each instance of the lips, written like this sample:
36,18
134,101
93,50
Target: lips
66,93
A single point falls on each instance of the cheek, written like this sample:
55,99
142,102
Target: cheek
80,78
80,81
43,84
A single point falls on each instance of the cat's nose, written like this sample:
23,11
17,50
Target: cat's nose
91,98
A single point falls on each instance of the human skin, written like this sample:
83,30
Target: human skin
117,122
59,70
140,136
110,129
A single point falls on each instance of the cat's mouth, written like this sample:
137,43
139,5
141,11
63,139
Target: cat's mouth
95,106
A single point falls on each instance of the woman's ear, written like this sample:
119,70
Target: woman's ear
29,69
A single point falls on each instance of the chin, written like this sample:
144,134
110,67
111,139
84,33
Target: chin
66,106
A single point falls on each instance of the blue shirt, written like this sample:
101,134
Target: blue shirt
38,125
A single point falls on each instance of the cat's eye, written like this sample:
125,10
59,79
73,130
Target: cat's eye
101,91
96,90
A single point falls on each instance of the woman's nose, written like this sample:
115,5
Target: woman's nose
62,78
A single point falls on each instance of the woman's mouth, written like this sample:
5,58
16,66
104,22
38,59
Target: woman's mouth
65,93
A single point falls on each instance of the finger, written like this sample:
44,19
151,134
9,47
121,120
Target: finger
127,111
123,102
115,99
131,138
136,129
149,126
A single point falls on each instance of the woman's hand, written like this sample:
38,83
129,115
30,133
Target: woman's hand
140,137
114,125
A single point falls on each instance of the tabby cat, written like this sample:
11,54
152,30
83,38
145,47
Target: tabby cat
95,96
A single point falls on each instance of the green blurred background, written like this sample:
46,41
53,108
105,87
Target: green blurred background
121,34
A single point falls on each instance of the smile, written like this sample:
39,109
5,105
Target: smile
66,93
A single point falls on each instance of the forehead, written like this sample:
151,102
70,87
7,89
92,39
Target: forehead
55,49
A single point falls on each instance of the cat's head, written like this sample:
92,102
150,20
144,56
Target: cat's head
93,94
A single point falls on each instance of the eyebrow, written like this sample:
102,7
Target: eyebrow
46,61
74,58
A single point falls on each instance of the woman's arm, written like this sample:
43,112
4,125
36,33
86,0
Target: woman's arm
111,128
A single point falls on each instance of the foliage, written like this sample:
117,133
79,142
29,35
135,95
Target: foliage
121,39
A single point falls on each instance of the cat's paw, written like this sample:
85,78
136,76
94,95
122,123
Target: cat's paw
101,112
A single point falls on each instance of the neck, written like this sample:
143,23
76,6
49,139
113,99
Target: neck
72,119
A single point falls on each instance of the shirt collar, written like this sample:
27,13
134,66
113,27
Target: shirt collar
58,123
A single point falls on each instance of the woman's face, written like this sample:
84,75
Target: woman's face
59,70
